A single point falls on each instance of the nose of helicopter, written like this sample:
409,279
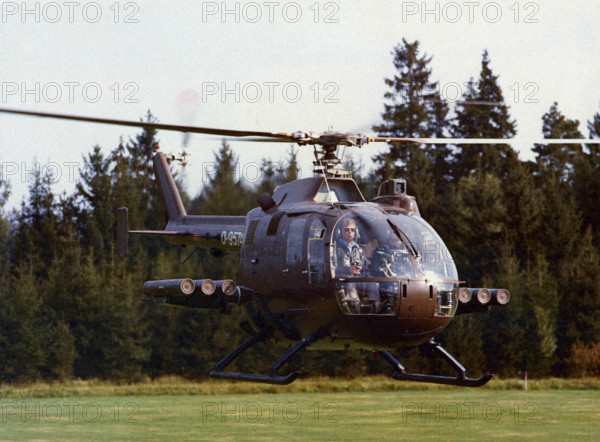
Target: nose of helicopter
389,332
387,314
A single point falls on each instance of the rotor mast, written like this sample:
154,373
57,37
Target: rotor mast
328,163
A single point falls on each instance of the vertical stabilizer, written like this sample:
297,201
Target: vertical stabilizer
168,188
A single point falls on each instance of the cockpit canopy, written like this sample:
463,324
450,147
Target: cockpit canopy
374,254
392,245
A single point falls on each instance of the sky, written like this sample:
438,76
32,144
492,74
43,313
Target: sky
268,66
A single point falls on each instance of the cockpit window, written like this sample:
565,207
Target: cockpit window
380,249
334,191
434,261
325,195
368,240
389,244
317,252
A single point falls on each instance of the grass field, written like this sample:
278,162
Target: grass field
440,413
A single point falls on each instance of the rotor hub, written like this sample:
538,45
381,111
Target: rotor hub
328,163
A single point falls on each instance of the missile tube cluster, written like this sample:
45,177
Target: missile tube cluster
200,293
480,300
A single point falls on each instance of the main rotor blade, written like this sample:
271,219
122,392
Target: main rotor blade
484,140
297,137
264,140
146,125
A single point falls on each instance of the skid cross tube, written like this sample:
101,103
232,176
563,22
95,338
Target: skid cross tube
272,377
460,380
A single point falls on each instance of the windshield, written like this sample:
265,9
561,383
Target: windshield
381,251
434,261
371,243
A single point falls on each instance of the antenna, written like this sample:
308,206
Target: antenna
329,191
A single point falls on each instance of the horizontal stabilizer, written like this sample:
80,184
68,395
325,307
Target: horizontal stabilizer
161,233
210,238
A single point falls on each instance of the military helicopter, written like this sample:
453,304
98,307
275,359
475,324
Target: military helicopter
320,267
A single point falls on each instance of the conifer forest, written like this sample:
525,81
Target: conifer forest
70,307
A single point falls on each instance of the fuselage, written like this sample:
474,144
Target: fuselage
292,257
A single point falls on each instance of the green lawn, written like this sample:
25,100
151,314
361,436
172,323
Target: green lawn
435,414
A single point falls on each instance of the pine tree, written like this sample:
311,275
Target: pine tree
4,240
224,193
291,171
557,159
95,188
542,290
4,223
274,174
414,109
478,227
100,307
524,212
579,301
561,217
585,178
483,119
507,330
36,238
24,327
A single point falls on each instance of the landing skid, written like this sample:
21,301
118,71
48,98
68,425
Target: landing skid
272,377
460,380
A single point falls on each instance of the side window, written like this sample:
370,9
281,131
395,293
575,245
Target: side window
317,252
293,254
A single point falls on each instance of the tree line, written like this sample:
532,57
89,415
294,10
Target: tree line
70,308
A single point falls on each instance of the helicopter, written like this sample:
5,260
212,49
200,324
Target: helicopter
320,267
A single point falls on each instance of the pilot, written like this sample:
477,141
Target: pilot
350,256
351,262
